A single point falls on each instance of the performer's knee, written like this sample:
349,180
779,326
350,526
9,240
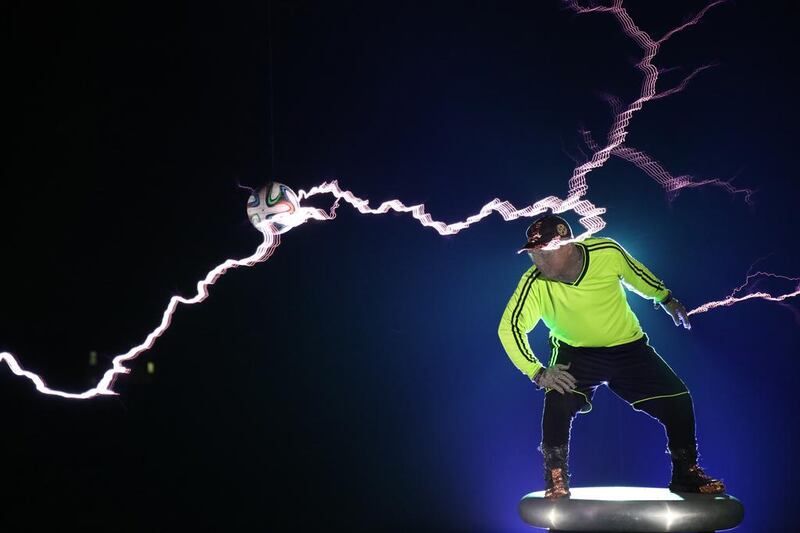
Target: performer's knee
561,405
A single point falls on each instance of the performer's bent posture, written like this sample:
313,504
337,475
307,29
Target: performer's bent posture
576,289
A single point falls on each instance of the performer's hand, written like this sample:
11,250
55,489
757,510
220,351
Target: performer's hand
556,377
678,313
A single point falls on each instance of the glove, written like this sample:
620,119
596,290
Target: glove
676,310
555,377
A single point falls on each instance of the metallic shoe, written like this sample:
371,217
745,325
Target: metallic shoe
557,484
556,471
688,476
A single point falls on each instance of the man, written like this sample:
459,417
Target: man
576,289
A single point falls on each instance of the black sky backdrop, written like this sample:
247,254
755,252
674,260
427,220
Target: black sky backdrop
355,379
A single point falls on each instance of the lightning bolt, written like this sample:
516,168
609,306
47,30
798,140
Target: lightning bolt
654,169
271,240
732,298
262,253
622,115
590,215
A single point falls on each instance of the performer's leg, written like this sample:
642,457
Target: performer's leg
648,384
559,411
676,414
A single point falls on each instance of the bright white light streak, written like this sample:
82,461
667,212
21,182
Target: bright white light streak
103,387
271,240
553,516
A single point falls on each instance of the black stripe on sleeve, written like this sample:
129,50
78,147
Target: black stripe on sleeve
628,259
656,284
518,309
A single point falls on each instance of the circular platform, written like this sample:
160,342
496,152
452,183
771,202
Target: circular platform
631,509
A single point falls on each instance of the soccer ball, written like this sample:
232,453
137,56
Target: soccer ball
270,200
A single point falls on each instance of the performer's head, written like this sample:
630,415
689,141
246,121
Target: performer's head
543,235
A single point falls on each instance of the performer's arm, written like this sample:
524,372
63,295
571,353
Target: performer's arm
519,318
638,278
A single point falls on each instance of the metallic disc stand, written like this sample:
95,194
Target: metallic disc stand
631,509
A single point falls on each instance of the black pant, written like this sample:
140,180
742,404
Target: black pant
635,373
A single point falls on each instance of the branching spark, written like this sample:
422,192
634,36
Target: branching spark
767,274
732,298
654,169
621,117
648,92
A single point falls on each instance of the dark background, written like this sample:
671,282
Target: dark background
355,380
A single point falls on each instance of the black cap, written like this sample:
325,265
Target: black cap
544,229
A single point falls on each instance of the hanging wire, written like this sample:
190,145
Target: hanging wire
271,93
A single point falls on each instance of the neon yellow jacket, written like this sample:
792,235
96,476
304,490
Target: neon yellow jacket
593,311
